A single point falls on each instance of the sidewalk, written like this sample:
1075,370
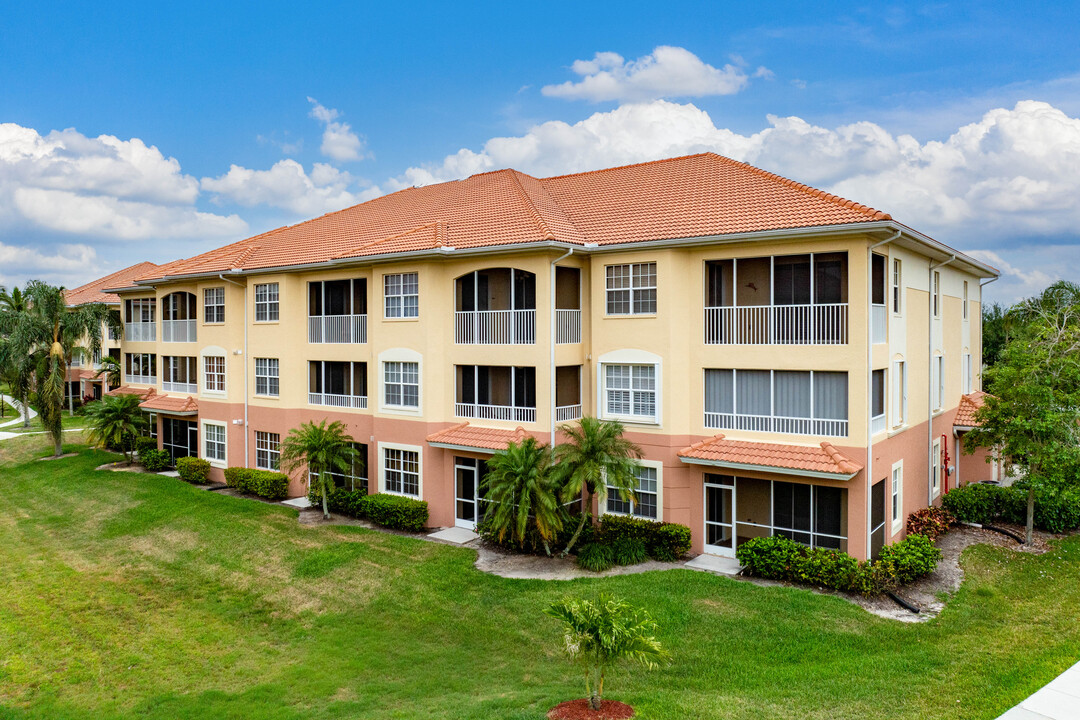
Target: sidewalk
1058,700
18,408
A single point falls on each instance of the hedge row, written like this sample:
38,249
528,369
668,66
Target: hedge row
392,511
778,558
193,470
154,460
663,541
981,503
145,443
264,483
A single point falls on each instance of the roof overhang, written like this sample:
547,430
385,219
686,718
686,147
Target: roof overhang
463,448
769,469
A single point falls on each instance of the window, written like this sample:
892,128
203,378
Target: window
180,373
401,384
631,289
897,496
937,294
965,310
355,478
267,452
401,293
337,297
939,386
812,515
897,286
139,311
935,469
266,302
213,373
877,279
798,402
266,376
140,367
630,391
967,373
899,393
647,491
214,441
877,400
214,305
401,471
337,383
152,419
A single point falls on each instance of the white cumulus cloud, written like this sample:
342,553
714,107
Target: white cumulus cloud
339,142
68,265
286,185
666,72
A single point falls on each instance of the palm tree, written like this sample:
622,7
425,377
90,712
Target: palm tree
595,456
600,634
111,369
323,448
115,421
13,301
16,363
518,488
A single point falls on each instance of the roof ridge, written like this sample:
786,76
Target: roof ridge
459,426
808,189
842,461
541,224
624,167
434,224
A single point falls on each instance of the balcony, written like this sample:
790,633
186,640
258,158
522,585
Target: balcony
567,305
337,329
179,387
567,326
354,402
777,424
140,332
879,323
178,331
567,413
141,379
495,327
820,324
495,412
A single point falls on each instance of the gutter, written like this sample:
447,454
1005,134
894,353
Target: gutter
930,372
551,341
870,379
243,286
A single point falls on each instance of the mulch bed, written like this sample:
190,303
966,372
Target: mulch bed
580,710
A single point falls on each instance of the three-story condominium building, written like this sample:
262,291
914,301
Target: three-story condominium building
790,362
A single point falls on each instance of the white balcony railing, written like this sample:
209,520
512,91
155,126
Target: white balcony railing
777,424
824,324
76,361
879,323
495,327
141,379
337,329
178,331
140,332
356,402
566,413
567,326
114,334
495,412
179,387
877,425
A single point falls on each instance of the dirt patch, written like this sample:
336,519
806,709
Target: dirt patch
580,710
539,567
58,457
122,466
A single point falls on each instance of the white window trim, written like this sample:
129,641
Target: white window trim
965,369
402,317
630,357
256,302
255,391
935,291
965,314
633,290
224,462
383,446
938,379
212,351
222,306
256,444
400,355
659,467
898,282
935,459
897,522
898,394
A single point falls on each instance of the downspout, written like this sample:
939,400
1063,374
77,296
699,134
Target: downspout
551,342
870,381
930,375
243,286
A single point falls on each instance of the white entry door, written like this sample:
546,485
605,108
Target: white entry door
719,520
466,480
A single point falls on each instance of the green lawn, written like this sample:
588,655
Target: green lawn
137,596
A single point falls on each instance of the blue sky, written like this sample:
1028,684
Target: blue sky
138,132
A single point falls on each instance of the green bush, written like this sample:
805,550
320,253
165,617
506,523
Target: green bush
238,478
930,521
193,470
976,503
870,579
1055,511
340,501
629,551
532,543
395,511
823,567
144,443
264,483
666,542
155,460
910,559
768,557
596,557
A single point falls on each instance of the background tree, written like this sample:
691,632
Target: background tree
601,634
16,363
594,456
115,422
111,370
1032,414
519,490
323,448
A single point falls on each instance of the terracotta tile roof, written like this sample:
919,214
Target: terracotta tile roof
692,196
170,404
482,438
76,374
94,291
128,390
822,459
965,414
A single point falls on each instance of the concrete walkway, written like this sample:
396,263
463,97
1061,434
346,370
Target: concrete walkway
1059,700
18,408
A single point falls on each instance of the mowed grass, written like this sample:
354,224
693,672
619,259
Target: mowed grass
137,596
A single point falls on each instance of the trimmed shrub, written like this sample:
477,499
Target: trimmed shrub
264,483
981,503
931,522
532,543
596,557
671,542
826,568
870,579
629,551
144,443
910,559
768,557
395,511
237,478
976,503
155,460
339,500
193,470
666,542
